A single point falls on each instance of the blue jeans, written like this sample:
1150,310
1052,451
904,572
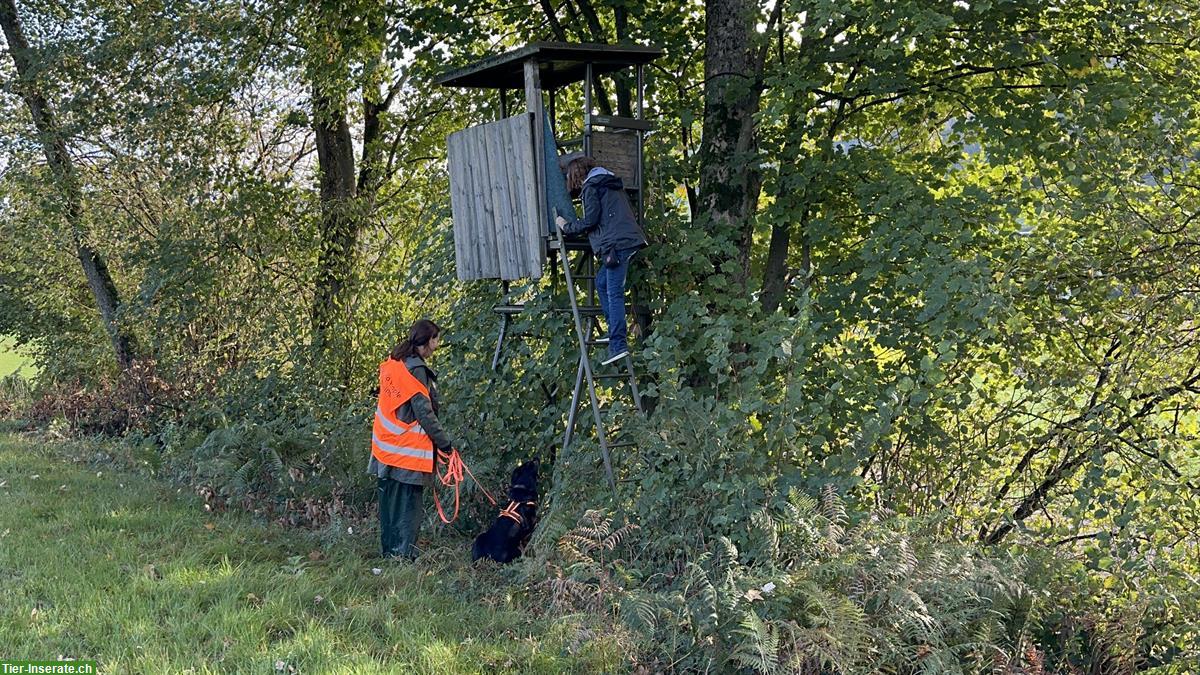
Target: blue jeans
610,287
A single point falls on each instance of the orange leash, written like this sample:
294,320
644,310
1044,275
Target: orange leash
455,468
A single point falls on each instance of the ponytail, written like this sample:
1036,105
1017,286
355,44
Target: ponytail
418,336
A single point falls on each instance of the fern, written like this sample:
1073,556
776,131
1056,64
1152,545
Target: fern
759,648
273,466
586,578
640,610
833,508
809,593
242,481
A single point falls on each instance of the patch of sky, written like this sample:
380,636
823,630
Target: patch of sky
1024,227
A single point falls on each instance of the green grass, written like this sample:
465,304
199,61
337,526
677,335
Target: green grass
119,568
12,361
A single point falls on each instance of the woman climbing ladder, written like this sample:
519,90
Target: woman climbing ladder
614,234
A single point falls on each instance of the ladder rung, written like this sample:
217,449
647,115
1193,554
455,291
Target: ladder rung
569,244
616,122
610,376
554,244
607,413
593,310
593,343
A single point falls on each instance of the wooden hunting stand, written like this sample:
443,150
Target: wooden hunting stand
502,188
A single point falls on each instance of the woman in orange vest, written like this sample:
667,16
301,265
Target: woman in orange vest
404,437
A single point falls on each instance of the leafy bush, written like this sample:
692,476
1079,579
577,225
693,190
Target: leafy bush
300,462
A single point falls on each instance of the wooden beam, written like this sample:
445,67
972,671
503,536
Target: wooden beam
533,103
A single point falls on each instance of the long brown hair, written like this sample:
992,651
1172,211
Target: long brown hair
418,336
577,172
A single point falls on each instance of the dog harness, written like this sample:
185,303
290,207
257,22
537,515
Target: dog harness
510,511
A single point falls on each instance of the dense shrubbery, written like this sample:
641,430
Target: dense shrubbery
815,592
735,487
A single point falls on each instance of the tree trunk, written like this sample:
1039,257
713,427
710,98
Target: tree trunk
729,180
621,79
774,283
339,220
775,272
556,27
63,171
592,20
376,100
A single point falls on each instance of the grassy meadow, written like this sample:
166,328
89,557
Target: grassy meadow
105,565
12,360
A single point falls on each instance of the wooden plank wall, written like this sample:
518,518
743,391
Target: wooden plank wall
617,152
494,200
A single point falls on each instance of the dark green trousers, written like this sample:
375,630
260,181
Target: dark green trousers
400,514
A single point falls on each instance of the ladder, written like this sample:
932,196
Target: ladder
588,338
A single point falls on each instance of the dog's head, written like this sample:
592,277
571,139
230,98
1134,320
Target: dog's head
524,482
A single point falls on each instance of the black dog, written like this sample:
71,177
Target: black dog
506,538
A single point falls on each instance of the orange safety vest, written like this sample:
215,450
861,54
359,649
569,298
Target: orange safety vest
395,443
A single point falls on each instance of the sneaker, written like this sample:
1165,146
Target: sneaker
615,357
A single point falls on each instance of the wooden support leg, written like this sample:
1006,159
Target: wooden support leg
576,394
500,342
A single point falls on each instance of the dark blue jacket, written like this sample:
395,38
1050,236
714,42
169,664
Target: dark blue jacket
607,219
